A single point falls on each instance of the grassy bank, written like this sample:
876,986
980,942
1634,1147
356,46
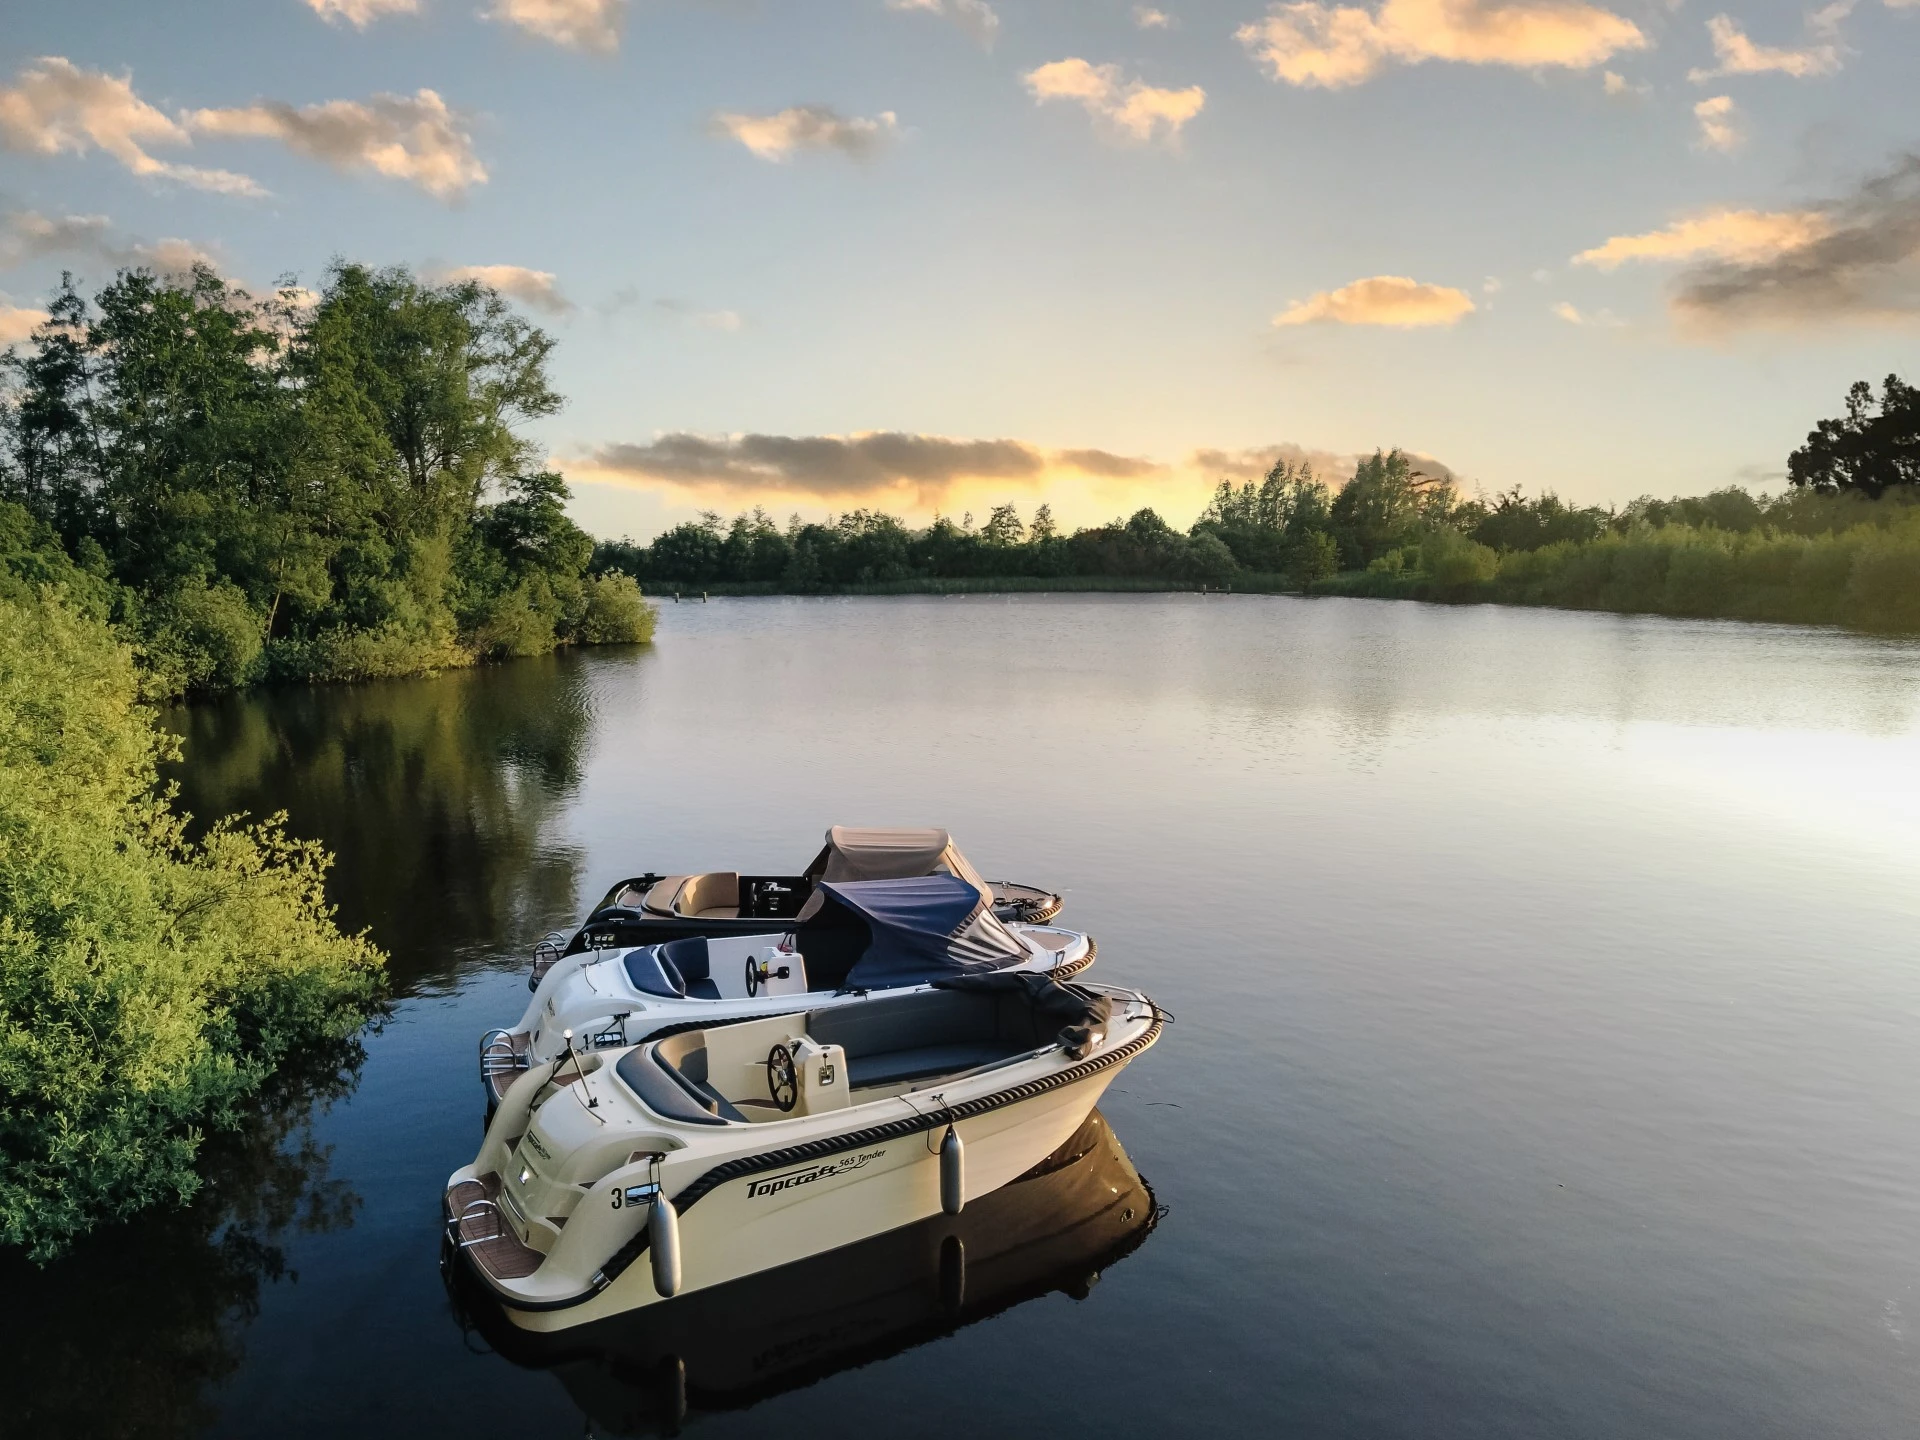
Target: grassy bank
1866,576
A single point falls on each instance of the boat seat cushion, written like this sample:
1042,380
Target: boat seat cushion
671,1092
651,977
665,891
690,958
894,1067
716,890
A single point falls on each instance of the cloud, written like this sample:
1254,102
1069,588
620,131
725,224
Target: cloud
1603,319
54,107
361,13
1719,123
726,321
18,323
1328,465
1391,300
536,288
1861,262
976,17
1136,111
28,235
1740,56
865,468
1148,18
1309,43
577,24
415,138
1744,236
807,127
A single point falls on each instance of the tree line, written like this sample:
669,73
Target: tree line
328,485
1842,530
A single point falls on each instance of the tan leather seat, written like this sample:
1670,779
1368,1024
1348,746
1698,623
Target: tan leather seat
665,892
715,895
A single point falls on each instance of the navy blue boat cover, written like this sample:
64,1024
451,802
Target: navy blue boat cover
923,928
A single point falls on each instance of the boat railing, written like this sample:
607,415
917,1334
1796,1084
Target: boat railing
473,1216
545,956
498,1055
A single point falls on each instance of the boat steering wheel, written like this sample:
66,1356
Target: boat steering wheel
783,1084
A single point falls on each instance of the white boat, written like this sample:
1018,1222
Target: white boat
853,937
1054,1230
614,1180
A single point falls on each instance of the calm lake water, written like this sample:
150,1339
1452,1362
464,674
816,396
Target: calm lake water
1547,1059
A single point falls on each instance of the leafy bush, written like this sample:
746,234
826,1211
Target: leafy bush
617,613
1453,562
203,636
149,983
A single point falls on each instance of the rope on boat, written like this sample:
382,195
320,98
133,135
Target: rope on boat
913,1124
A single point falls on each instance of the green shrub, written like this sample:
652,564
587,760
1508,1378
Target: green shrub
202,636
149,983
617,613
1454,563
1883,583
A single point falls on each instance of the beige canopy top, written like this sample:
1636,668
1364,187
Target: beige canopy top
892,853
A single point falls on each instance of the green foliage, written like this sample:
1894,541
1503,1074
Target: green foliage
1513,522
616,613
1867,452
1453,562
1865,575
329,491
149,982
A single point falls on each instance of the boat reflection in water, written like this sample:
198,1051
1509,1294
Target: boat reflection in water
1055,1228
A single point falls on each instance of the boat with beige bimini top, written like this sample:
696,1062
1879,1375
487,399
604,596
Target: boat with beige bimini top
614,1180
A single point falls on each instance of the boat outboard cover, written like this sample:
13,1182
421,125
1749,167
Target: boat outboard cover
921,929
1080,1015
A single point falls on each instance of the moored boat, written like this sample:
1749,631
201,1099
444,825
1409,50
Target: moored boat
650,908
853,937
614,1180
1054,1229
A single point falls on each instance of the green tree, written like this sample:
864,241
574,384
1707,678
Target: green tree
1870,450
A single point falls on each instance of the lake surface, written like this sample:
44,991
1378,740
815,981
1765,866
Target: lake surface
1547,1059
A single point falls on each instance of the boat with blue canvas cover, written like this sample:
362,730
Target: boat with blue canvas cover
646,909
851,938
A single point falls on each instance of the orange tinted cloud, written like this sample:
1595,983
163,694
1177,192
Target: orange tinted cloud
1133,109
807,127
870,468
1392,300
537,288
415,138
54,107
577,24
1738,55
1746,236
1309,43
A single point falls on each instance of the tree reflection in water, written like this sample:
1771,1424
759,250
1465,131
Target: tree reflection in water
435,797
128,1334
1056,1228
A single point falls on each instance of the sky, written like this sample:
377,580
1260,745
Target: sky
929,256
